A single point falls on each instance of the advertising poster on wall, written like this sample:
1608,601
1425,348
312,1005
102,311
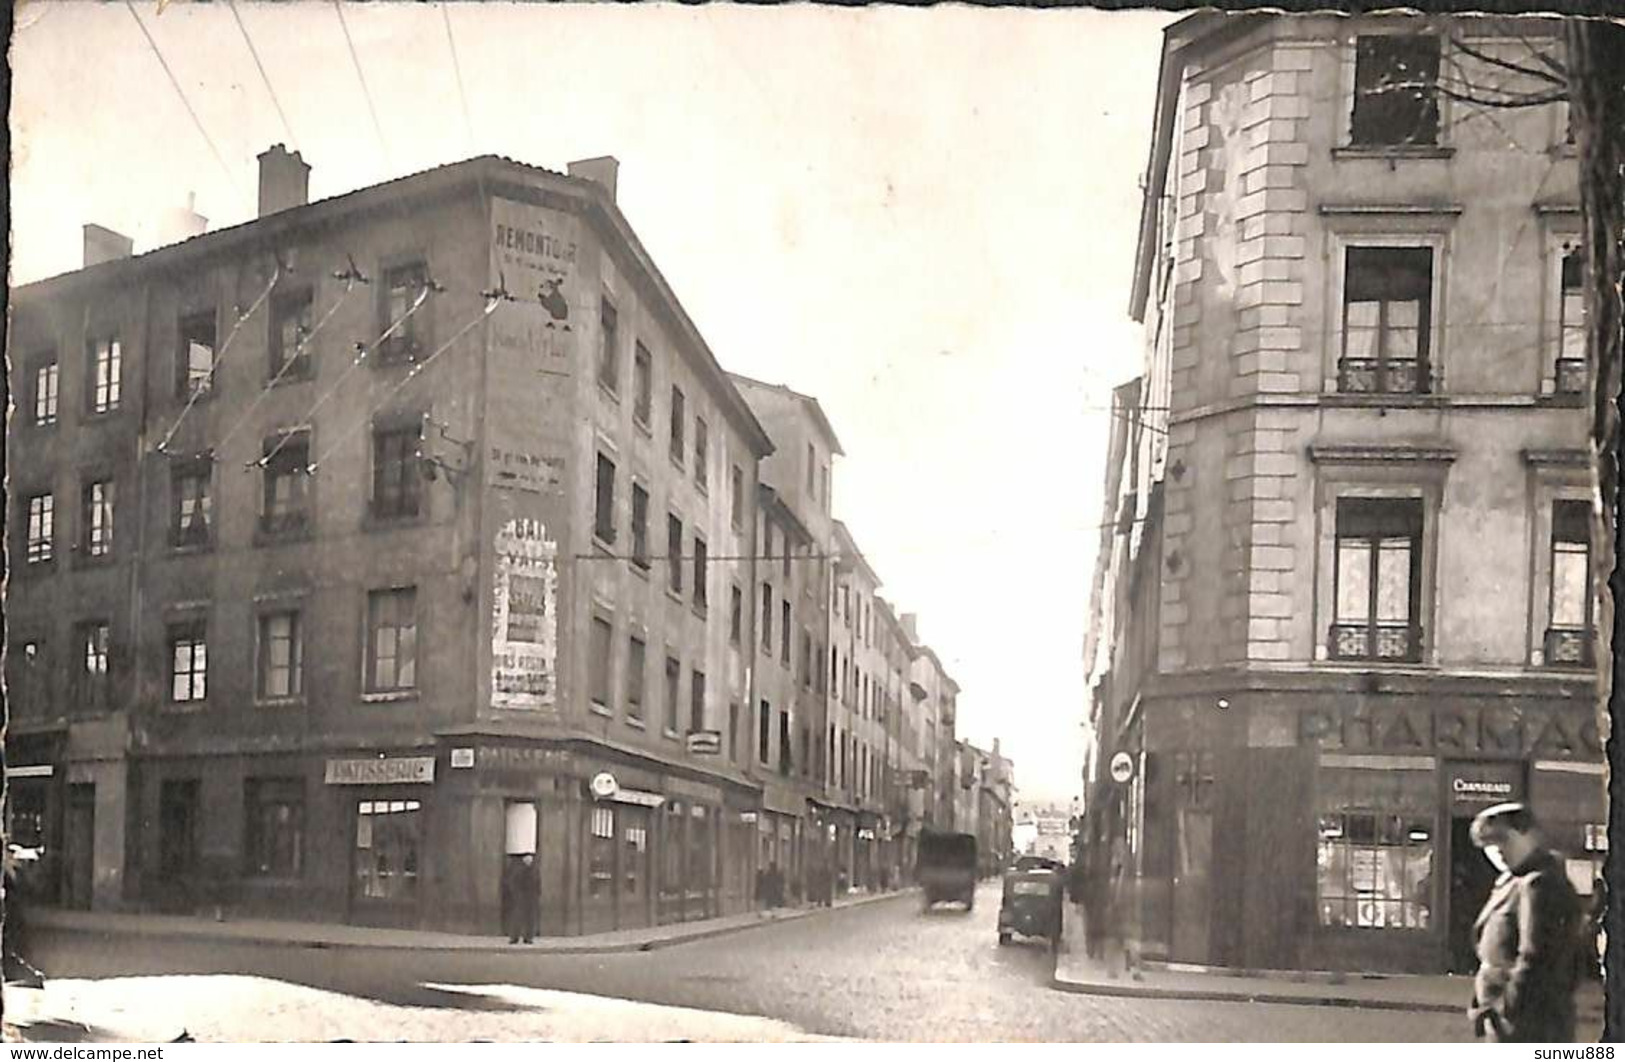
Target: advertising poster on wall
524,635
534,253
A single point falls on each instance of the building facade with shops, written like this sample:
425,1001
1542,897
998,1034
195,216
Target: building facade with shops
1344,594
365,546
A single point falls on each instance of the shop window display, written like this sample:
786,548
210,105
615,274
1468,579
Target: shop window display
1376,848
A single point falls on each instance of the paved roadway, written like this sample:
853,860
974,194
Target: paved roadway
878,971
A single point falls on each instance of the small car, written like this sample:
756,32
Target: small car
1034,897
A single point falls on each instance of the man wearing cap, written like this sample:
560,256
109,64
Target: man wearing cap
1526,935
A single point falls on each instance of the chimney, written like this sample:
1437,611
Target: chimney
181,223
104,245
600,171
908,620
284,180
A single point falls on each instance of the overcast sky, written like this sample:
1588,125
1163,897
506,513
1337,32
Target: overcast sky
924,218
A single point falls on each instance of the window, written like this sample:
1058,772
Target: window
823,684
640,526
806,659
94,640
609,359
29,692
733,732
41,527
767,617
601,852
642,385
1569,634
286,485
96,508
598,662
1375,865
636,657
106,366
189,661
702,459
677,418
700,600
603,501
1387,319
274,833
812,468
388,841
785,633
404,285
696,707
674,678
1396,100
194,360
189,485
1571,325
1378,579
280,656
290,328
395,471
674,553
736,608
823,489
392,635
45,391
764,732
789,550
786,749
736,497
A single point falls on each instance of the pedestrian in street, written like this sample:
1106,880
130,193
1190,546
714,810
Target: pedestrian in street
17,969
1120,914
521,896
1093,898
1526,935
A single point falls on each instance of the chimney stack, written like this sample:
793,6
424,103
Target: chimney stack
600,171
284,180
182,223
104,245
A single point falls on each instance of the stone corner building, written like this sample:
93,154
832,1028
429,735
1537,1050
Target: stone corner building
1344,600
368,545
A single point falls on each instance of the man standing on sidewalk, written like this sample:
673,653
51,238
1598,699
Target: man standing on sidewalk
1526,935
521,893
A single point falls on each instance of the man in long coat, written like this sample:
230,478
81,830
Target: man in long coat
1527,935
521,896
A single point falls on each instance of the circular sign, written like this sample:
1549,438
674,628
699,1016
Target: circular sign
603,785
1122,767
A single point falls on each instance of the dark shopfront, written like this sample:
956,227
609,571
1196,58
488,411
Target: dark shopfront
619,842
1378,797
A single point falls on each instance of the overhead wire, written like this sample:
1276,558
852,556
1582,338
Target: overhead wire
493,299
219,358
265,77
383,144
291,360
457,69
185,102
361,351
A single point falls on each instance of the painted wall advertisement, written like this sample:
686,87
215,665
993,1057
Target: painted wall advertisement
524,635
534,253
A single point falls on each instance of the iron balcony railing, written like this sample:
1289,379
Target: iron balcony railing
1397,642
1381,376
1570,647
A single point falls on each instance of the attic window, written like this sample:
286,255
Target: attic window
1396,100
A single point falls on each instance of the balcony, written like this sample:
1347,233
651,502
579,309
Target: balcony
1570,647
1387,376
1388,642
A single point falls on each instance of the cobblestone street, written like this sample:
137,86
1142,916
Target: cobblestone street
881,971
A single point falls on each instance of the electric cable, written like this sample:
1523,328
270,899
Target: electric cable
383,145
265,77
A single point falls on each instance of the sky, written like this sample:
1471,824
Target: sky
924,218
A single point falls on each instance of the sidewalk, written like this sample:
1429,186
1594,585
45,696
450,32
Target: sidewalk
330,935
1074,972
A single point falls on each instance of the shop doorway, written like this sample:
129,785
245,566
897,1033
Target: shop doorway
1471,879
387,856
178,802
79,846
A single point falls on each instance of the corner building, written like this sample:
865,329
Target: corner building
368,545
1347,594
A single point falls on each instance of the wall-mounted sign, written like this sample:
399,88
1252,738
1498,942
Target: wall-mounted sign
1122,767
638,797
534,252
603,785
1596,837
462,758
524,635
386,770
517,470
705,742
1483,784
39,770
